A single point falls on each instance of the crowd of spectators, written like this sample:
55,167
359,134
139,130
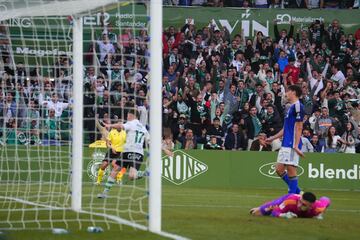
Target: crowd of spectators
36,101
219,91
223,92
309,4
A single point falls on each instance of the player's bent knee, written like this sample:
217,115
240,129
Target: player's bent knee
292,172
280,169
132,174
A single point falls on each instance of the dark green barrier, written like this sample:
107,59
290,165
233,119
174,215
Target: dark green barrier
251,20
256,170
134,16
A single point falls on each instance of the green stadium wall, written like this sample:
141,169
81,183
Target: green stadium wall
245,169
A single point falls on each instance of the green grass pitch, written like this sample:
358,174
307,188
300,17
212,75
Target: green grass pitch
196,213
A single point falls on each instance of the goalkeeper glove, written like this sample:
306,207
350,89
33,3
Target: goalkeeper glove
288,215
319,217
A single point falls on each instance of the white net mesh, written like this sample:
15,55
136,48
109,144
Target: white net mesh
36,72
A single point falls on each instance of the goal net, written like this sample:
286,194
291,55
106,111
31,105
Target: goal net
67,69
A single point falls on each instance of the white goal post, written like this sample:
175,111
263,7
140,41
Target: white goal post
41,199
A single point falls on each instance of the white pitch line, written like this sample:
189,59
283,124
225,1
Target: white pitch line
114,218
34,204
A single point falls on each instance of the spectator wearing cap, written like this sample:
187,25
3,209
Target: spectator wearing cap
216,130
181,123
235,139
260,143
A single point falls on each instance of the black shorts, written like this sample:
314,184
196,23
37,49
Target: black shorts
110,156
131,159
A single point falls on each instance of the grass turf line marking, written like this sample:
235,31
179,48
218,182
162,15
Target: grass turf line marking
114,218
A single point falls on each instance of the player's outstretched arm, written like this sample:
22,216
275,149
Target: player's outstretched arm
276,136
255,211
114,125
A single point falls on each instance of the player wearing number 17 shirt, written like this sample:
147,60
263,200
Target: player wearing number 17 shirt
133,155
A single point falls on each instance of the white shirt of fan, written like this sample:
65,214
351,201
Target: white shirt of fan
58,107
105,49
136,134
339,77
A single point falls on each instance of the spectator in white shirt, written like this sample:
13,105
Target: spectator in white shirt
315,79
337,76
56,105
105,47
239,61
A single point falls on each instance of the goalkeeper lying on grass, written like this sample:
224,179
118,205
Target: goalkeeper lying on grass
294,205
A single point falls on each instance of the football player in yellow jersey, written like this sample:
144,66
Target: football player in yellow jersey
115,141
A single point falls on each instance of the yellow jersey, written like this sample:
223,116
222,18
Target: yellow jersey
117,139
